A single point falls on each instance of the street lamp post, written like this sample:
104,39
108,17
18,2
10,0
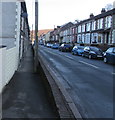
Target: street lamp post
36,35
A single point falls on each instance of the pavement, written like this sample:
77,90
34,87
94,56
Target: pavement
26,96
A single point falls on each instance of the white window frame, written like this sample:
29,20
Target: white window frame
88,26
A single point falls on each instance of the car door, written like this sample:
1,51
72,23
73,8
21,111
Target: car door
109,55
87,50
62,46
75,50
113,55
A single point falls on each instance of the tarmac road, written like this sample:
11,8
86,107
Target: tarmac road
89,82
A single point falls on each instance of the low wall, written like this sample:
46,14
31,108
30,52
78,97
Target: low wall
8,65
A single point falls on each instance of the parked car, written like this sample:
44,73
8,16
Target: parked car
78,50
41,43
55,46
109,55
49,45
92,52
65,48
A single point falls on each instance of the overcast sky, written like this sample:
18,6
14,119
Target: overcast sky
59,12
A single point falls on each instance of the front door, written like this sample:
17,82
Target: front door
107,38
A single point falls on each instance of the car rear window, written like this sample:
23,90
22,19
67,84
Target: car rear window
95,49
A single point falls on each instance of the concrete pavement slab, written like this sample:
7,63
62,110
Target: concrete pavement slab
26,96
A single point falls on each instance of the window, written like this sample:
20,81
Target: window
100,23
88,26
108,22
83,37
93,25
73,31
99,39
83,28
87,40
79,29
79,38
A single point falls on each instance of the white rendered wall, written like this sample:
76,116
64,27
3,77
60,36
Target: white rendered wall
9,56
2,66
8,65
18,12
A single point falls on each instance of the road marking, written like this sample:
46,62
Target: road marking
60,54
68,57
89,64
51,52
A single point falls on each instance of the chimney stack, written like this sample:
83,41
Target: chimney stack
103,10
58,26
91,15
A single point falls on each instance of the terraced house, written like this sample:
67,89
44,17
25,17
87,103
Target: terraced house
97,29
65,35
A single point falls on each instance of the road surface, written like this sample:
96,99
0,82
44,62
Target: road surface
89,82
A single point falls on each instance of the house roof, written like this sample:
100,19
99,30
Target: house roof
110,12
65,26
44,31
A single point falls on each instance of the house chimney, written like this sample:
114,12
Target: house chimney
103,10
91,15
58,26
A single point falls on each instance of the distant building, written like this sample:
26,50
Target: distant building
65,33
47,37
54,35
44,31
41,35
97,29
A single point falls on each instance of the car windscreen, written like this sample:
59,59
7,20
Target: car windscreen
80,47
55,44
95,49
67,45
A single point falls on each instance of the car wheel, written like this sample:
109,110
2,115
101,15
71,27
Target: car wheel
72,53
105,60
90,56
83,55
76,53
